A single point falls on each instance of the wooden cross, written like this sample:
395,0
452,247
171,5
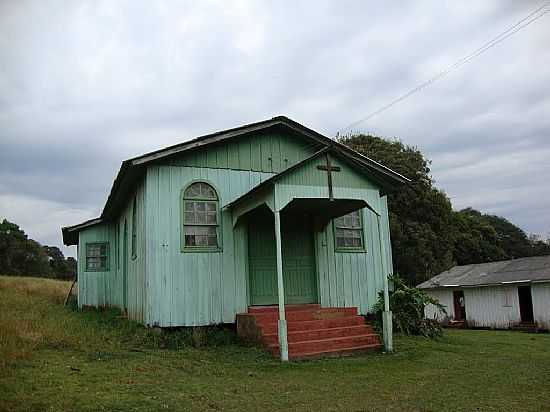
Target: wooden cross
329,169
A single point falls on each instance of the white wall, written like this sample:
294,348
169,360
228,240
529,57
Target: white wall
445,297
541,304
494,306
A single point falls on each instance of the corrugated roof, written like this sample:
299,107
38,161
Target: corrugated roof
530,269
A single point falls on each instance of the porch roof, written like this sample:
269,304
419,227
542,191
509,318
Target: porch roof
327,208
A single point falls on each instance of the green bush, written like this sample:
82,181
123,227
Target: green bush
407,305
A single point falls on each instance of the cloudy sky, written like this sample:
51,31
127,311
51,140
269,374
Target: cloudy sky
85,85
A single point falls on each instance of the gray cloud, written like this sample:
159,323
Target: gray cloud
85,85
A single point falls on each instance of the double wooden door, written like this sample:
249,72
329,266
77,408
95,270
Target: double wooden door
299,274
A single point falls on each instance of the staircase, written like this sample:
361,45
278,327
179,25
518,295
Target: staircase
531,327
312,331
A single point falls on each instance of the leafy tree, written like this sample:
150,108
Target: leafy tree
420,214
428,237
22,256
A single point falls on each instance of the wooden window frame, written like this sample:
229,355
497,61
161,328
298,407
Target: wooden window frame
218,225
106,256
360,229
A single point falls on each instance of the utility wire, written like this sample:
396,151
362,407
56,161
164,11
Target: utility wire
526,21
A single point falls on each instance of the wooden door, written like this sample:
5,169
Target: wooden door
459,305
299,272
298,260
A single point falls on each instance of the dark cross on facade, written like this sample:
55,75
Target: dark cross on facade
329,169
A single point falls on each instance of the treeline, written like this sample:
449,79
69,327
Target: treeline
21,256
428,236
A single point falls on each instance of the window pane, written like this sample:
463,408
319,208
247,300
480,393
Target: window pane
93,250
200,206
189,206
211,207
211,218
189,217
200,217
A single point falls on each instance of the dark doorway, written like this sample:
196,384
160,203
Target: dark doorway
459,305
525,304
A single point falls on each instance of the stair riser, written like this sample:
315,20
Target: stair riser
321,334
317,346
288,308
335,354
269,328
304,315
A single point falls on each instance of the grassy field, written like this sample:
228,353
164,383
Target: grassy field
53,358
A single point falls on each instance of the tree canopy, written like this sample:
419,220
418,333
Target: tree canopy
22,256
428,236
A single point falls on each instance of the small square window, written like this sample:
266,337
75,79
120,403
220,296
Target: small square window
348,231
97,257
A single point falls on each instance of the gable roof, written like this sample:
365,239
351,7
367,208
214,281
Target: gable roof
530,269
133,169
268,182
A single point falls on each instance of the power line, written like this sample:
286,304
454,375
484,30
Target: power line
526,21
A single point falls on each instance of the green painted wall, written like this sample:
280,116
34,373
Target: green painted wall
107,288
168,287
270,152
194,288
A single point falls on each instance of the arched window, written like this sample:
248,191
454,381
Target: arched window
200,218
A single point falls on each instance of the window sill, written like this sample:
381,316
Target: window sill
200,249
351,250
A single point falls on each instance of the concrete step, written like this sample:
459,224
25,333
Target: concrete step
309,346
288,308
305,314
297,326
316,334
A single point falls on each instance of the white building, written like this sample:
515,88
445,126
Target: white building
502,295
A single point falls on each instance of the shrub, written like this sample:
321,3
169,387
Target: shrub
407,305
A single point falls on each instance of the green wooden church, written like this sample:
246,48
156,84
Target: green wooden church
271,225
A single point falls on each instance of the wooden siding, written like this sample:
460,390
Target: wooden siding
96,288
268,151
195,288
348,279
199,288
495,306
541,304
106,288
492,307
445,297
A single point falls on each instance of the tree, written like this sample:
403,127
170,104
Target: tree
427,236
420,214
22,256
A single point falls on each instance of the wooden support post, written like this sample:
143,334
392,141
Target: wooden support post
283,341
387,320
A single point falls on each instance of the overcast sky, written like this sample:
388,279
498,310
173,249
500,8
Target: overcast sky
85,85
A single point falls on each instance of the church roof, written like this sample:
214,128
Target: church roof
132,169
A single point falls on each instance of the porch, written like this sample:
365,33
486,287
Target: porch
312,331
283,217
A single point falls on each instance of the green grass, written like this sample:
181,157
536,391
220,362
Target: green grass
63,360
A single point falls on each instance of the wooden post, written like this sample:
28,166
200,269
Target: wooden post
283,341
387,315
